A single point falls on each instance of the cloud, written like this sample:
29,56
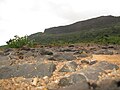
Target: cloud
2,0
75,10
1,3
62,10
67,11
0,18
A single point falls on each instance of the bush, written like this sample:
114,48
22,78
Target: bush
18,42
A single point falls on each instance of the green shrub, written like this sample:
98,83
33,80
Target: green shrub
18,42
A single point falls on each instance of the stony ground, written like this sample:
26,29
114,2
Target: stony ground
74,67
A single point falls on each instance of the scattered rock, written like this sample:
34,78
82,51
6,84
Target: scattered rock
31,68
52,86
83,55
7,72
67,50
35,80
104,47
93,72
77,86
109,84
71,46
72,79
5,62
69,67
64,82
74,82
21,52
3,58
8,50
104,65
45,52
93,62
79,52
111,46
27,70
62,57
1,53
75,78
90,62
25,54
103,51
28,54
26,48
39,59
85,61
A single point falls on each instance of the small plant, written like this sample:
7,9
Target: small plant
18,42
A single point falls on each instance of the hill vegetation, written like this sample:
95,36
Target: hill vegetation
102,30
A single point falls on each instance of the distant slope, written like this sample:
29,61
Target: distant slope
94,23
104,29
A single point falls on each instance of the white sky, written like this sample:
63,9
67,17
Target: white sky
21,17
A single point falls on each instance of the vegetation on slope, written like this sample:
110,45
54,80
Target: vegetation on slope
110,35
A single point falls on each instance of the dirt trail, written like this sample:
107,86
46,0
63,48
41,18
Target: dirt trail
110,58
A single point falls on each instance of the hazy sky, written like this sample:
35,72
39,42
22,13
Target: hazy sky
21,17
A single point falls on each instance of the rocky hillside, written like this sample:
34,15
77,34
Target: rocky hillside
94,23
103,30
74,67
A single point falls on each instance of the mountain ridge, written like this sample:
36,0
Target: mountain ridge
103,29
98,22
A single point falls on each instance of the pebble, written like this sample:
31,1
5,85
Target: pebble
35,80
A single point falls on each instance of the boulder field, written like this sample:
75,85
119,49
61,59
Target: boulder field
74,67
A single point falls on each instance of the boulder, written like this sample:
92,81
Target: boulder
27,70
74,82
72,79
77,86
85,61
93,72
64,81
109,84
4,60
25,53
89,62
104,65
45,52
62,57
70,66
75,78
52,86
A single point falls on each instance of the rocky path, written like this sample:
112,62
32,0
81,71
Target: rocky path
71,67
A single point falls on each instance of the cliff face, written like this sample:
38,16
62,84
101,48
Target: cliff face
94,23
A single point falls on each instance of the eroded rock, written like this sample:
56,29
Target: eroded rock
69,67
27,70
62,57
109,84
72,79
74,82
93,72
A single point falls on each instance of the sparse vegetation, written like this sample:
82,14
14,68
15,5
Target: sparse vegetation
18,42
